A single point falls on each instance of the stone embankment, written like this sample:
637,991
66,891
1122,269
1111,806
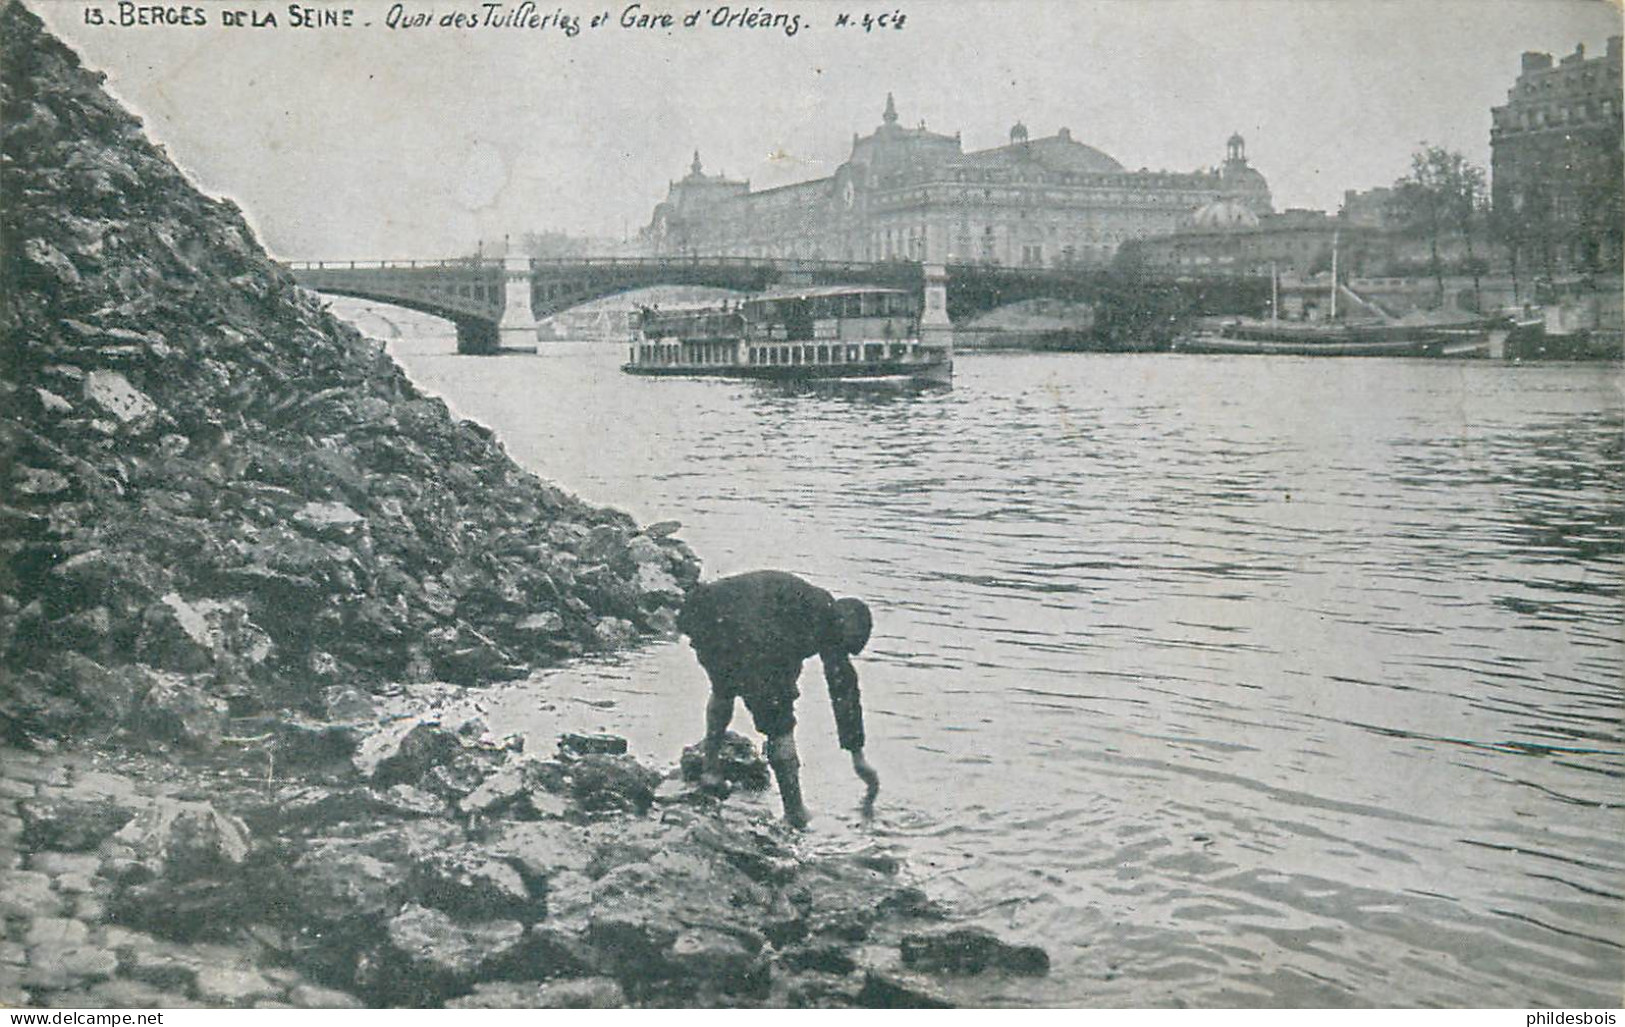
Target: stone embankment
229,524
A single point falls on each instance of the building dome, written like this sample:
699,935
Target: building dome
1018,133
1222,215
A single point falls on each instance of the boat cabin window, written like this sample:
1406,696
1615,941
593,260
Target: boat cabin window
793,318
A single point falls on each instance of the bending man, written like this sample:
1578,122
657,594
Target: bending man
752,632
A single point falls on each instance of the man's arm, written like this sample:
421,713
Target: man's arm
842,679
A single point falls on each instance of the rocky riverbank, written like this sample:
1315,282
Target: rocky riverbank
428,864
230,527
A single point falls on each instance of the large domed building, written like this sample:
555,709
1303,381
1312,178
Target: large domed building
913,194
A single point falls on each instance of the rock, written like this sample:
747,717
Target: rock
552,950
120,993
569,899
68,824
642,551
189,636
719,959
501,791
601,783
67,965
42,254
583,993
448,953
614,632
602,543
970,950
548,622
75,884
909,901
35,481
634,944
662,620
311,996
810,990
60,931
305,810
406,756
57,863
411,840
413,802
756,853
175,711
183,841
741,762
304,744
542,851
160,965
329,520
175,635
899,991
335,881
94,784
228,986
825,958
114,394
348,703
590,744
460,776
843,898
26,893
468,883
655,581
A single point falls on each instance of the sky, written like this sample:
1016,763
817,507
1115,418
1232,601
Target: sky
372,142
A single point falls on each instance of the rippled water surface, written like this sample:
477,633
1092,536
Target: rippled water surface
1231,681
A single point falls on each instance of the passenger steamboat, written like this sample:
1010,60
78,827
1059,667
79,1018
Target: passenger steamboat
825,332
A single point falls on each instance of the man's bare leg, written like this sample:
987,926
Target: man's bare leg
719,713
781,755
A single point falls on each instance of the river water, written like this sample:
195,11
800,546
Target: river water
1229,680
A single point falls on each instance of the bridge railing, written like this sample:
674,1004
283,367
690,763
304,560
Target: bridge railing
391,265
807,264
780,264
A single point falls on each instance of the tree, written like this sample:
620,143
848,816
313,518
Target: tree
1441,196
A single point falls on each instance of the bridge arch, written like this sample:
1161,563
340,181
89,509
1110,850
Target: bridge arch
468,293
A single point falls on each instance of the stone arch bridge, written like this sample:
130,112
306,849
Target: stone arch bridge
493,301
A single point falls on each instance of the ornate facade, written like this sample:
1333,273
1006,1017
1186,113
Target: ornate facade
1556,165
913,194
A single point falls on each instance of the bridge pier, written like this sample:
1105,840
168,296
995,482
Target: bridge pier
935,328
477,338
518,326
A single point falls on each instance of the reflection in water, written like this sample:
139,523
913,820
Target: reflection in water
1230,681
